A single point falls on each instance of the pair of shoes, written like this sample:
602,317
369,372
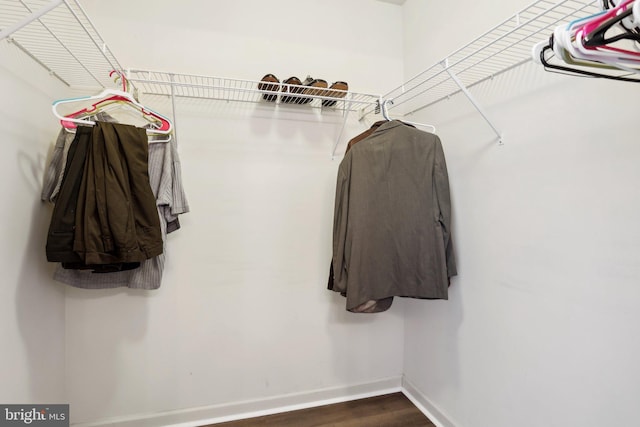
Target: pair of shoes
336,90
310,87
313,87
293,85
271,85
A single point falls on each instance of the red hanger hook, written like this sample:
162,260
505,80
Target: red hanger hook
120,76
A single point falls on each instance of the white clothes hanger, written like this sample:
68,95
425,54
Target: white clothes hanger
569,43
385,114
575,36
106,95
161,125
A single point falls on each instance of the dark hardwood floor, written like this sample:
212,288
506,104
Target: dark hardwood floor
391,410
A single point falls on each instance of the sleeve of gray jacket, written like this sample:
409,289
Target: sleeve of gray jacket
340,214
444,203
55,169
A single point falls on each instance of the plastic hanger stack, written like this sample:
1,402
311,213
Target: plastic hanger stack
110,99
604,45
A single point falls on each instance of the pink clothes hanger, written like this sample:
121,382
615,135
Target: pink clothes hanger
161,124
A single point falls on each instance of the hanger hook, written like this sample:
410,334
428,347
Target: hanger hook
120,76
383,108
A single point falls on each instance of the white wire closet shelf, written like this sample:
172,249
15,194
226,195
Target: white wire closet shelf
60,37
175,85
502,48
253,91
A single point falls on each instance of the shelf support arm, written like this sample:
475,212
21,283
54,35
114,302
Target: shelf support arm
473,101
29,19
344,122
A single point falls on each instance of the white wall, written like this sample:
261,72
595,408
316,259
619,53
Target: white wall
540,327
32,330
358,41
243,312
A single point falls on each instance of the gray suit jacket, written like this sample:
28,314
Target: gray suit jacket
392,218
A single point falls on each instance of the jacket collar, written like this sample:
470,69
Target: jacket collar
388,125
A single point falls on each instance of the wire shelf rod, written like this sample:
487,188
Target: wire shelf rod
457,91
34,15
466,57
493,55
59,36
34,58
62,44
103,47
516,16
234,87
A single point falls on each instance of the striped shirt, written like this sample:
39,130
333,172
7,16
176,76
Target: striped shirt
166,184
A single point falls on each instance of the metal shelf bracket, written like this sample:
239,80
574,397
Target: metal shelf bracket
470,97
502,48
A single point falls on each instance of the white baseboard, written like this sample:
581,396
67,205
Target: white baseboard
254,408
425,405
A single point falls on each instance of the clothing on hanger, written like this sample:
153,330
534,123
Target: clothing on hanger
392,219
373,306
109,217
353,141
164,170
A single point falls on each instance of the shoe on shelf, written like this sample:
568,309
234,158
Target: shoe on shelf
313,87
292,85
269,78
336,90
